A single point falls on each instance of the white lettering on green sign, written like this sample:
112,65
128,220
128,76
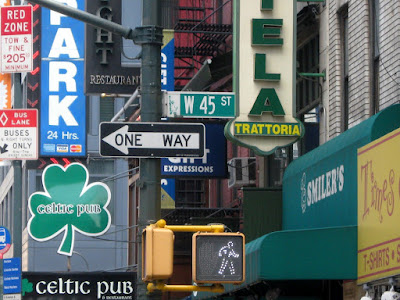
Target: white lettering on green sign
55,208
60,209
69,203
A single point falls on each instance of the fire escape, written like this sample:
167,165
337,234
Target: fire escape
203,61
203,36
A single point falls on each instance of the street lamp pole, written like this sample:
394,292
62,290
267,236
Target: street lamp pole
150,168
149,36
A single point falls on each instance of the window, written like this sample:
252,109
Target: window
374,11
169,13
5,210
106,109
308,95
101,109
344,40
308,88
189,193
2,213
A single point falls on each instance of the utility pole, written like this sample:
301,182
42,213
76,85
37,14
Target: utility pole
149,36
150,168
17,190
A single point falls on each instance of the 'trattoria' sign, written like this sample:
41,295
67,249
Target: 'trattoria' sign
265,76
103,70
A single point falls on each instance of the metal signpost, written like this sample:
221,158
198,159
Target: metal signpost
16,57
198,105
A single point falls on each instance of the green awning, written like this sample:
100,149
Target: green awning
326,253
311,254
304,203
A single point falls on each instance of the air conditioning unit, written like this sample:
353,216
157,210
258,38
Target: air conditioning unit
242,171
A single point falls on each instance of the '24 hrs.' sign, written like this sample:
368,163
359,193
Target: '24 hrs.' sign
16,39
63,103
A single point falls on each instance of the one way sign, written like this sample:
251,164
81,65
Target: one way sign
152,139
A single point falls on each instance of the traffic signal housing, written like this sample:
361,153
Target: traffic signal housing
157,253
218,257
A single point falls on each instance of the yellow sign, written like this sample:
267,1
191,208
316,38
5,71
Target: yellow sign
270,129
5,91
166,200
168,35
378,173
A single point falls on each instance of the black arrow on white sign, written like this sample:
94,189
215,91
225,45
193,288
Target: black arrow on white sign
152,139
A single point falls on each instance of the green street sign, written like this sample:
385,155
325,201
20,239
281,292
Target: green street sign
198,105
68,204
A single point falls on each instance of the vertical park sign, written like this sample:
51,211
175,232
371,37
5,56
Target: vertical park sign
264,76
16,39
63,103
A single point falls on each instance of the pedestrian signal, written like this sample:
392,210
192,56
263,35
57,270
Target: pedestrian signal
218,257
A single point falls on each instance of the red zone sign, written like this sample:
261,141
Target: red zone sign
18,134
16,39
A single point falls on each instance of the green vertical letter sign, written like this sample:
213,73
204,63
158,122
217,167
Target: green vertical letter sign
267,101
267,4
259,69
267,31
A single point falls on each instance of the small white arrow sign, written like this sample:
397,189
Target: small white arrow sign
123,140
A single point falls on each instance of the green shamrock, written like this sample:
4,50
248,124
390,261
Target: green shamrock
68,204
27,287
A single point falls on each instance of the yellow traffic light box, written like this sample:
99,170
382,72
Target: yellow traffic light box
157,253
218,257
